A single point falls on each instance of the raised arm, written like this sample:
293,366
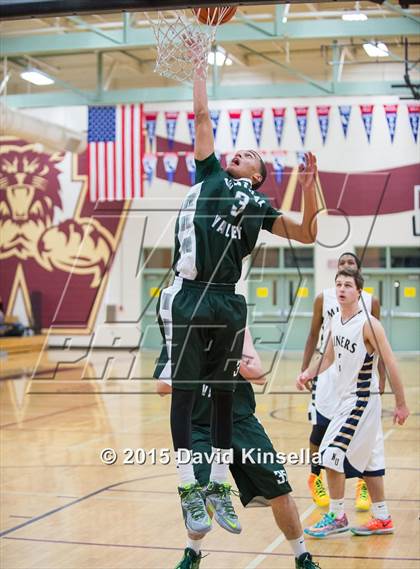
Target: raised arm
313,335
204,140
306,230
251,367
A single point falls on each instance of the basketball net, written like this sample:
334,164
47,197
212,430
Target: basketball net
183,42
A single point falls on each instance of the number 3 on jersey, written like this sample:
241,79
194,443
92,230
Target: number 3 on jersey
241,201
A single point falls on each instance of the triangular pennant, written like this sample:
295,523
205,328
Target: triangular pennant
345,111
300,157
149,166
150,118
257,116
191,127
302,122
191,167
171,118
278,161
279,116
214,117
235,123
170,163
414,118
367,111
323,112
391,119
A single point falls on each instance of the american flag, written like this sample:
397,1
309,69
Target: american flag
115,152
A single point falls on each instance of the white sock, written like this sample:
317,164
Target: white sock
194,544
298,546
380,510
220,464
185,471
337,507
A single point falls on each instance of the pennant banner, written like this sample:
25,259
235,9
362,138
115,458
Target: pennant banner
345,111
171,119
279,115
414,117
323,112
190,163
214,117
257,116
170,162
366,111
149,165
302,122
235,123
278,161
151,118
391,119
191,127
300,157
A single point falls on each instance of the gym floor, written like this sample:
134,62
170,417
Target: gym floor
62,507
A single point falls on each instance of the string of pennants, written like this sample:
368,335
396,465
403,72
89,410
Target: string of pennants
278,115
171,161
279,118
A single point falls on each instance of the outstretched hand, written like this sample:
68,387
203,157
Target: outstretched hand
195,53
308,171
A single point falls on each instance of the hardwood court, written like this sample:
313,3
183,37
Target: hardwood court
63,508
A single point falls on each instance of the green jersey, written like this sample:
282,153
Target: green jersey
243,403
218,225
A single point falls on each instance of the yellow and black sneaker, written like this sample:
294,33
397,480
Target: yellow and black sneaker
362,501
318,492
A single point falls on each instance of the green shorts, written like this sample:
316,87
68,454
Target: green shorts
256,477
203,329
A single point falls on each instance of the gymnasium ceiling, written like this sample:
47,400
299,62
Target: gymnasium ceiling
297,49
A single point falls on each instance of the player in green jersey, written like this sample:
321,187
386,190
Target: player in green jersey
260,481
202,319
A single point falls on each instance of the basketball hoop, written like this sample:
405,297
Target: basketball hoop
184,42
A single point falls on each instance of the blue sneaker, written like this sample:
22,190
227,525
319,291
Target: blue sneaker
328,525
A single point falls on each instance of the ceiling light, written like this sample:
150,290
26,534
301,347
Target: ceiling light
376,49
219,57
36,77
354,16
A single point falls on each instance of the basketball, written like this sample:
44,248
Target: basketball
215,16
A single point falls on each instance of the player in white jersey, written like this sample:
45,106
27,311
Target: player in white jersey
324,398
353,443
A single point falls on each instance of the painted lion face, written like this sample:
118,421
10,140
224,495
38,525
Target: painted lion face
29,191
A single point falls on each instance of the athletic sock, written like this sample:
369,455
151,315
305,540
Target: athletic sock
220,464
298,546
380,510
194,544
185,471
337,507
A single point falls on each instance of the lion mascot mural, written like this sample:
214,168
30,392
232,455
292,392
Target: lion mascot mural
69,257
